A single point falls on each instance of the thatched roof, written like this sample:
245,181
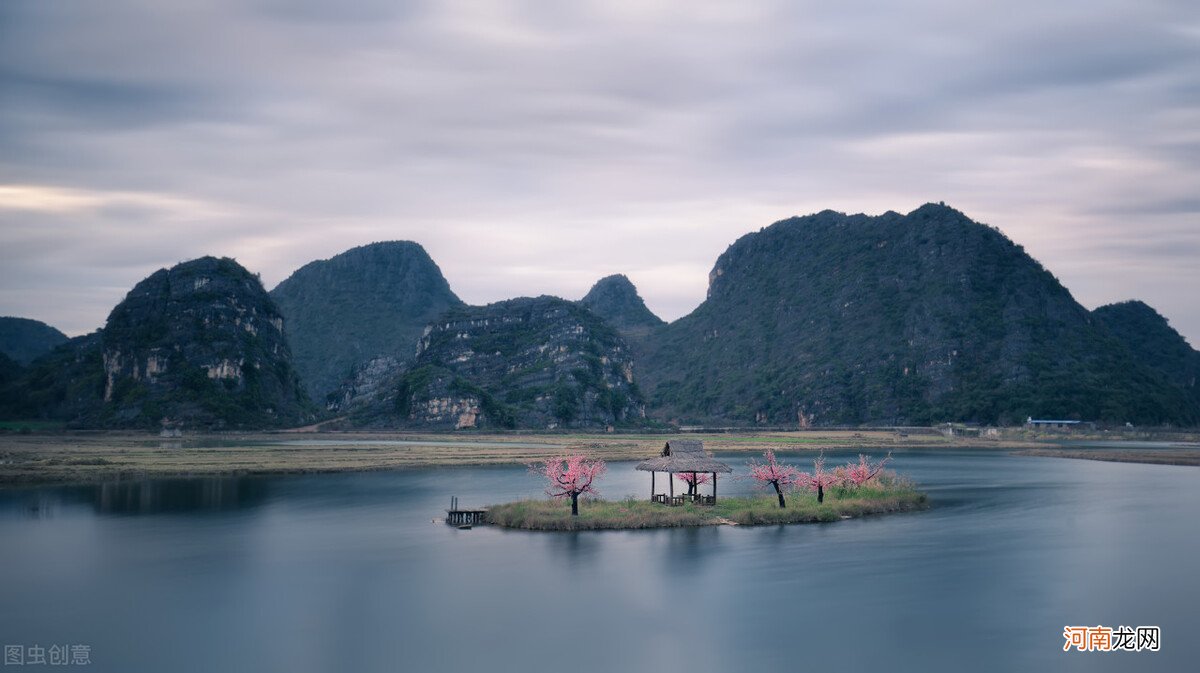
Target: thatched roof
683,455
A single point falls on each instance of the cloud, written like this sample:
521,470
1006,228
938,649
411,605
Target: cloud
535,147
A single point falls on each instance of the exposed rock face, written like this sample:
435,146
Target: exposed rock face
24,340
836,319
615,299
818,320
529,362
1154,343
365,384
368,302
200,344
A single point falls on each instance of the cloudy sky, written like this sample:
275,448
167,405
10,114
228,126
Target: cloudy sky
533,147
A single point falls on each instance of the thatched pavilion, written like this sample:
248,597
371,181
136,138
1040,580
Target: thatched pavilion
683,456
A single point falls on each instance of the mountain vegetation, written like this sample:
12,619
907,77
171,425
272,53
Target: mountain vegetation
23,340
827,319
10,370
200,345
539,362
616,300
65,384
1154,343
368,302
848,319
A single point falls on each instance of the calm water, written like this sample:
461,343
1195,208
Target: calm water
347,573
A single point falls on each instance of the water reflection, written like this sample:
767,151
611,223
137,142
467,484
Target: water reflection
179,495
685,551
580,549
39,505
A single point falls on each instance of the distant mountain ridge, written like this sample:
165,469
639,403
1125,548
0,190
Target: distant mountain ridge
826,319
615,299
1154,343
24,340
850,319
368,302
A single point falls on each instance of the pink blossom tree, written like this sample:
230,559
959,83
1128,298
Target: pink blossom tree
693,480
820,479
864,471
570,477
771,473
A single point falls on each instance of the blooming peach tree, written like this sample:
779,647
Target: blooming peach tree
772,473
820,479
864,471
693,480
570,477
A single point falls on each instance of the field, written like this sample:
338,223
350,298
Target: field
46,454
38,458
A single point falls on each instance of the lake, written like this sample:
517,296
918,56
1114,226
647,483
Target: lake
346,572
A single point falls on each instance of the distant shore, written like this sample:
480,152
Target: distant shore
79,457
1175,456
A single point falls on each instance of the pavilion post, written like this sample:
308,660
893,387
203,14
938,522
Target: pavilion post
714,488
652,486
671,480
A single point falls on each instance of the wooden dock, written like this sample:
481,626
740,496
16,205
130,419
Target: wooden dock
463,517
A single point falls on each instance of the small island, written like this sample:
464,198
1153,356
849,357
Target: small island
820,496
632,513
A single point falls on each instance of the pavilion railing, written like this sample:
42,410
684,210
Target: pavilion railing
677,500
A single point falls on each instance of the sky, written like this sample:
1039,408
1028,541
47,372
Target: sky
534,147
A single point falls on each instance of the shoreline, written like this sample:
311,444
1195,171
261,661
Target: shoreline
1182,456
83,458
